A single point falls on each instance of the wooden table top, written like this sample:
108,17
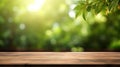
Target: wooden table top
59,58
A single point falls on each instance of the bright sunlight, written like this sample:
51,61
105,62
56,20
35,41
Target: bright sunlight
36,5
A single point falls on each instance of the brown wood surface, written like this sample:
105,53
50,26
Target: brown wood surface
59,58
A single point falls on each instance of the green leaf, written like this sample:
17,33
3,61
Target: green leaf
89,8
113,5
99,8
77,10
84,15
77,14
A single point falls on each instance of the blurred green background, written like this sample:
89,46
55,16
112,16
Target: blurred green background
52,25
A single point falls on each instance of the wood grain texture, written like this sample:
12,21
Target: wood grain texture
59,58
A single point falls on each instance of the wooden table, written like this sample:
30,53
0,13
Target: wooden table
59,58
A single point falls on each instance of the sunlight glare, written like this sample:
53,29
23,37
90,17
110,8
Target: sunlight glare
36,5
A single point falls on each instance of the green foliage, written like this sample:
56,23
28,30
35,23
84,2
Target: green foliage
54,27
96,6
103,19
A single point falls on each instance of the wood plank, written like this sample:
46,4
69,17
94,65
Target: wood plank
59,58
